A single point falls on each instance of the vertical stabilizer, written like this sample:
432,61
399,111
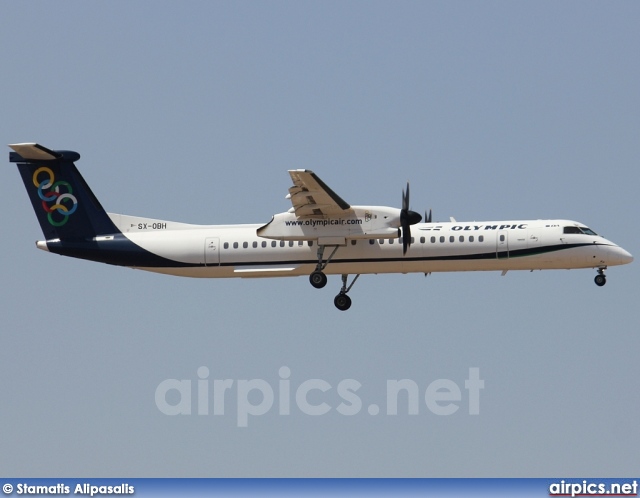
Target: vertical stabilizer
64,204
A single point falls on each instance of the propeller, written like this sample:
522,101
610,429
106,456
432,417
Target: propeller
407,218
427,218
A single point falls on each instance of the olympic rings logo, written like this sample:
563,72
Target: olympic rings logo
64,203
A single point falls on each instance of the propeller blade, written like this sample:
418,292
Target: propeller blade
407,218
405,199
406,238
427,218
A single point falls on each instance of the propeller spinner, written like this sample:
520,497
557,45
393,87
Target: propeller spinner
407,218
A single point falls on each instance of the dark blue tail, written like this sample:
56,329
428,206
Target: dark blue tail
65,206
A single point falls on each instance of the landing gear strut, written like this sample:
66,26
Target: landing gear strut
318,279
342,301
601,278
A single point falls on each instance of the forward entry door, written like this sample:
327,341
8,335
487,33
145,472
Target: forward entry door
502,244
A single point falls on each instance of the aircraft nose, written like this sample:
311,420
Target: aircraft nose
624,257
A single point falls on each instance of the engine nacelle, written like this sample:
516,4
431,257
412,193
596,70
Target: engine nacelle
358,222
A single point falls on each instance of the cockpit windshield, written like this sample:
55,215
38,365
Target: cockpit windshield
582,230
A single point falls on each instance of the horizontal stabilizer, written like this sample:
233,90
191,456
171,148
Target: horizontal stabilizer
34,152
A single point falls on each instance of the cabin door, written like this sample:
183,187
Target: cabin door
212,251
502,244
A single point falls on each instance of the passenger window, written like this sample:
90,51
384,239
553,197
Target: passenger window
226,245
291,243
452,238
442,238
235,245
481,238
422,240
353,242
372,241
310,243
255,244
264,243
461,238
245,245
381,241
501,238
433,240
273,243
470,238
282,243
300,243
390,241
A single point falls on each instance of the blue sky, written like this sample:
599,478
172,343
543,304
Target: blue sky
194,111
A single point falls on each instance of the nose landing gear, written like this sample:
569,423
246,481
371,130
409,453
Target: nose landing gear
601,278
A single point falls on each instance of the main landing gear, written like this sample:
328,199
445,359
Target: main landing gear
601,278
318,279
342,301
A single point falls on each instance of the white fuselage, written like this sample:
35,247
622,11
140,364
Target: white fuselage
320,234
225,251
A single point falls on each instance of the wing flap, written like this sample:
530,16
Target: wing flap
310,196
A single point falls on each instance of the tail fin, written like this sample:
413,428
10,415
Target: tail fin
64,204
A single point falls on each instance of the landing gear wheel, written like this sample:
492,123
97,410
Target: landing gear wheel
342,302
600,280
318,279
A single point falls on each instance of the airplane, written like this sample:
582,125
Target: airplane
320,235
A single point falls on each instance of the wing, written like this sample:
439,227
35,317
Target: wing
310,196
